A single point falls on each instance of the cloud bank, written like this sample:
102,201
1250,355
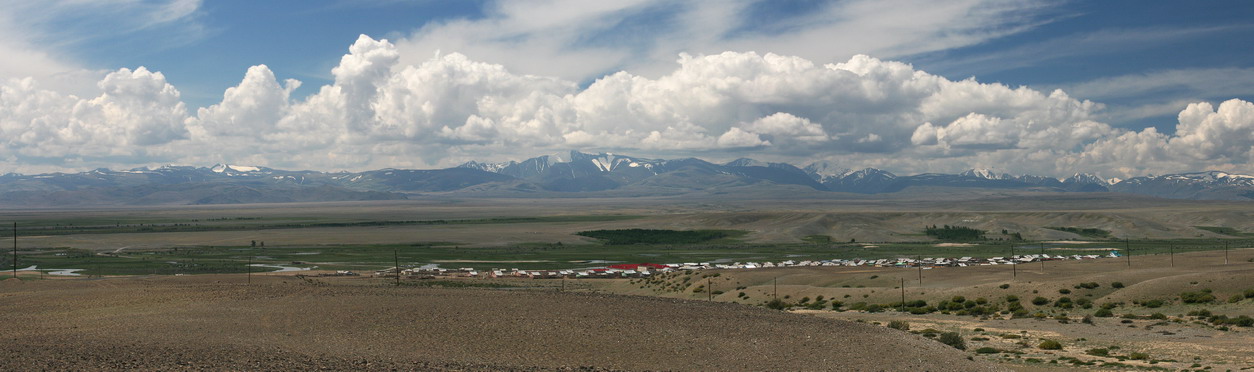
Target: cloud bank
381,112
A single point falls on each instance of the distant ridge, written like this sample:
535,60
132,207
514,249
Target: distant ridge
571,172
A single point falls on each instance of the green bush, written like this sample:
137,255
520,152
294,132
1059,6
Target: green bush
777,304
952,339
1097,352
1064,291
1090,285
1038,301
899,324
1050,345
1004,286
1249,293
1012,298
1235,298
987,350
1202,297
1116,285
1138,356
1103,313
1153,304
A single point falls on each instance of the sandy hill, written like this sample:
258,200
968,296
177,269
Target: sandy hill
218,323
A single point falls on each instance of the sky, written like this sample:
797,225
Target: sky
1114,88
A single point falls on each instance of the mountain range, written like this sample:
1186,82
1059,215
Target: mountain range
566,173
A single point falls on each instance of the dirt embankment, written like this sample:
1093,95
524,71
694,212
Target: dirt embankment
218,323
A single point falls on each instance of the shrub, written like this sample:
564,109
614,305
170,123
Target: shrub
874,308
1063,302
1199,313
1249,293
777,304
987,350
1129,316
1088,319
1004,286
981,301
952,339
1038,301
1012,298
1235,298
1116,285
1153,304
1158,316
958,299
899,324
1202,297
1090,285
1097,352
1050,345
1138,356
1103,313
1064,291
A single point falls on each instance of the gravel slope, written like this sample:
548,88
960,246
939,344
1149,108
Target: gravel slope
283,323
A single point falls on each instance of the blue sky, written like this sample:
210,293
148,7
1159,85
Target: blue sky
1138,64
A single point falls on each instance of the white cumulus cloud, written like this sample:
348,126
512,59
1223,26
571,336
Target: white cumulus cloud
382,112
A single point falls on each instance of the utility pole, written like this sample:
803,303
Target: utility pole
1042,257
1225,252
919,261
396,257
903,295
776,288
709,289
15,249
1172,247
1127,245
250,270
1014,264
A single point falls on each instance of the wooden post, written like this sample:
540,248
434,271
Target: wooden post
1225,252
15,249
250,270
709,289
919,262
397,258
1014,264
1042,257
903,295
776,288
1127,245
1172,248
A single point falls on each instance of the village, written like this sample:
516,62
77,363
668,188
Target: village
643,270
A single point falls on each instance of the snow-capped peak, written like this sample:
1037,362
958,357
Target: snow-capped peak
983,173
745,162
824,170
1086,178
221,168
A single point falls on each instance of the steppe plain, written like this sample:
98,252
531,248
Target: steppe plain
280,321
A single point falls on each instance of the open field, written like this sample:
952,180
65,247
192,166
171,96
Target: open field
213,322
1176,341
1177,251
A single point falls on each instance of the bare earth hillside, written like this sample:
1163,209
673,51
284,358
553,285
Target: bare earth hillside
285,323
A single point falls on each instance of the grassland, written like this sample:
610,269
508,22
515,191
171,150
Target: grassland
1175,248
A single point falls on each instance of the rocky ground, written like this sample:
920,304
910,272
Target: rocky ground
286,323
